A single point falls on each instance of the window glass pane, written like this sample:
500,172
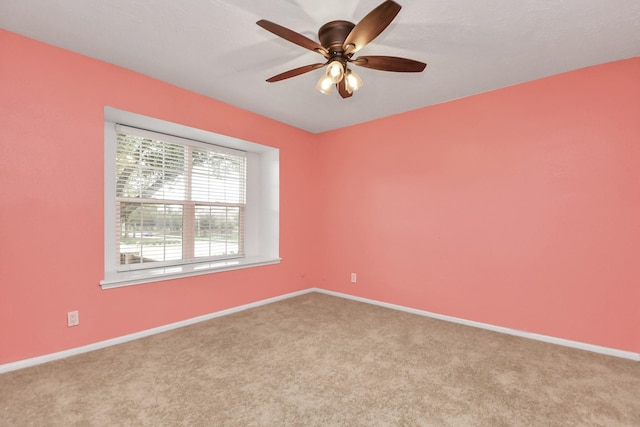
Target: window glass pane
218,177
148,169
150,232
217,231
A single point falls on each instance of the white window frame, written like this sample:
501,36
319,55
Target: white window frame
262,214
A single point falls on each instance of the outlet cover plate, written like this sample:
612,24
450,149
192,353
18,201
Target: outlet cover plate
72,318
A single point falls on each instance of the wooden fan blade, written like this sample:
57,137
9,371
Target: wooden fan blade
294,72
293,37
390,63
371,26
342,89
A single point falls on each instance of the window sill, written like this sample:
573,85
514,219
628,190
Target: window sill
137,277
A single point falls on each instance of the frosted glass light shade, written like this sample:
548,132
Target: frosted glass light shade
353,81
325,84
335,71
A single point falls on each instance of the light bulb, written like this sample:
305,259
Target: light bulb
335,71
353,81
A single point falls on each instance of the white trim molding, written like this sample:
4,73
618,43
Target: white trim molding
26,363
142,334
523,334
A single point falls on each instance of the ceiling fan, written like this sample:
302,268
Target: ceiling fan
339,41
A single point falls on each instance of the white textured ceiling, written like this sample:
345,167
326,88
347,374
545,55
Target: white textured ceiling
214,47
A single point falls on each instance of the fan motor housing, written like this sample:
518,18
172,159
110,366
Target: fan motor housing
333,34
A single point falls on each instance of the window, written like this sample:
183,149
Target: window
176,200
181,201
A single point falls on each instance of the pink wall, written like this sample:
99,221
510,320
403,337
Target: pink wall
518,207
51,195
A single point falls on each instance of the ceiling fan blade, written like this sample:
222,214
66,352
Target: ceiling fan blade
390,63
294,72
342,89
293,37
371,26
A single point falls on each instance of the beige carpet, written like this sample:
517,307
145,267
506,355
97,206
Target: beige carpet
317,360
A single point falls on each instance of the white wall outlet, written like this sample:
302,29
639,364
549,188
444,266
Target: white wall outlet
72,318
353,278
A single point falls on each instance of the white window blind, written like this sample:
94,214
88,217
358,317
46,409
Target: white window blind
177,200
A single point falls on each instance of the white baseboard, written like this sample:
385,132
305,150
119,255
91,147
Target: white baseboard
119,340
137,335
545,338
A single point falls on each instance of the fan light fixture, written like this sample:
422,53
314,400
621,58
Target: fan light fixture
339,41
336,72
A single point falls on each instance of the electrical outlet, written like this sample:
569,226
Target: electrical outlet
72,318
353,277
